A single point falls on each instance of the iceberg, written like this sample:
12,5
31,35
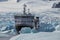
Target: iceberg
25,30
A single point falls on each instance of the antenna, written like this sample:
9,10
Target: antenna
28,10
24,11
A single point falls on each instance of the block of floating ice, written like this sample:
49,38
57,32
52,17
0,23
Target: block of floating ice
34,31
3,28
13,31
25,30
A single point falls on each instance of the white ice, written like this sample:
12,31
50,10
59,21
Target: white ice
38,36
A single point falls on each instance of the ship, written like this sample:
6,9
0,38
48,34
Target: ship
26,20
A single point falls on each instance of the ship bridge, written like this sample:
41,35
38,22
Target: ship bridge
24,20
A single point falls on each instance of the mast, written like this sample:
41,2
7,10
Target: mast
24,11
28,10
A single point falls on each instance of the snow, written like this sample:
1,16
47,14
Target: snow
38,36
35,35
4,28
11,32
5,31
57,28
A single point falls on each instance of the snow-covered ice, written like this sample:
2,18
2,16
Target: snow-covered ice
38,36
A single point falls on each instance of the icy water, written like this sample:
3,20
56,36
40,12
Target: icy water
38,36
5,36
